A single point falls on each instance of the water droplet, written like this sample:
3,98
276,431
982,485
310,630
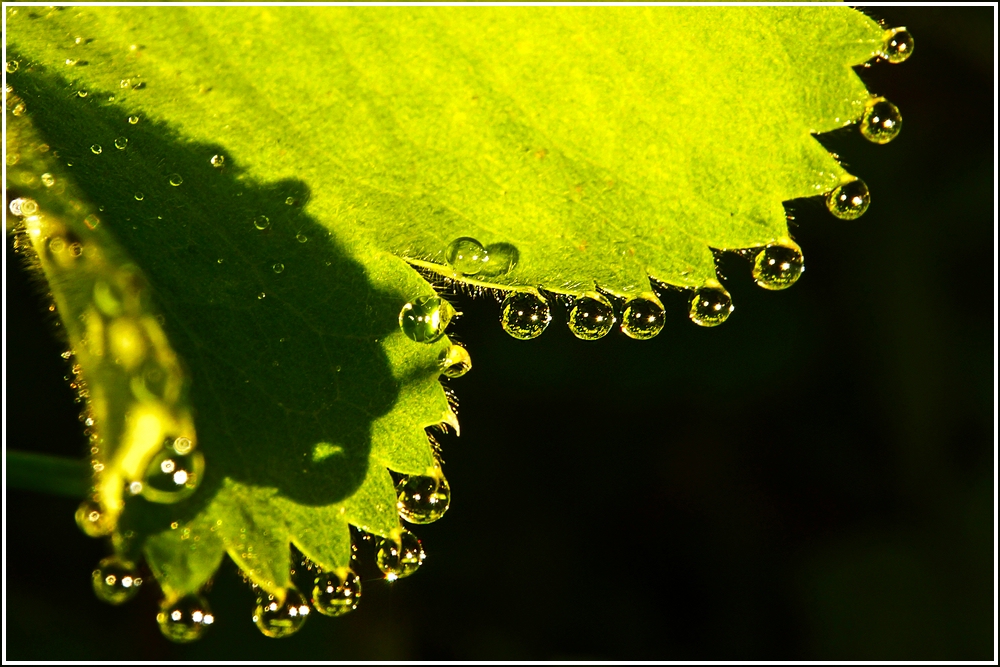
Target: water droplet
96,149
19,109
186,619
643,317
591,317
12,66
897,45
176,179
881,122
301,238
92,520
281,619
121,143
278,267
455,361
336,594
262,222
501,259
710,306
290,201
778,266
423,499
467,255
71,62
23,206
132,120
218,161
525,315
425,318
261,295
171,475
398,559
116,580
81,93
850,200
139,196
48,180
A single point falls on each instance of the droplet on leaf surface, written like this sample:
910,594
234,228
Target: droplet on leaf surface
281,619
778,266
881,121
116,580
399,559
591,317
172,476
262,222
186,619
334,594
96,149
121,143
455,361
710,306
525,315
425,318
849,200
423,498
92,520
176,179
467,255
643,317
501,259
897,45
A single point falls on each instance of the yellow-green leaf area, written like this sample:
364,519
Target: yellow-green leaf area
605,144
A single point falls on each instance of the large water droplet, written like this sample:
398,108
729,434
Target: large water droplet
525,315
778,266
643,317
399,559
262,222
850,200
92,520
467,255
501,259
336,594
897,45
173,474
116,580
423,499
425,318
186,619
710,306
12,66
881,122
176,179
455,361
281,619
591,317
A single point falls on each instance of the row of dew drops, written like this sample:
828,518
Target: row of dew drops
525,315
173,473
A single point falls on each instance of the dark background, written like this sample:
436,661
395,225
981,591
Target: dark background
812,480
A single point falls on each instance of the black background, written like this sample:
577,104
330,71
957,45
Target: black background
812,480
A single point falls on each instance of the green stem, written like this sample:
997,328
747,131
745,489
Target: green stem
56,475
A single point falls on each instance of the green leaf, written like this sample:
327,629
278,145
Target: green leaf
239,282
